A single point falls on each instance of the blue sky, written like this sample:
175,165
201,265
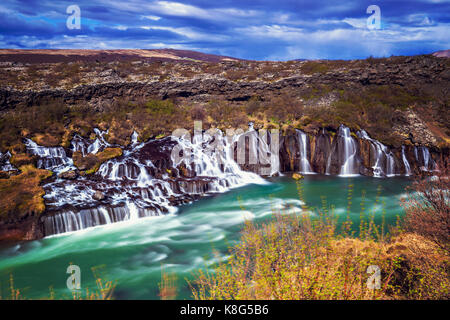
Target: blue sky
249,29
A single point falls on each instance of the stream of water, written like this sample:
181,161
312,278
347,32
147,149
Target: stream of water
132,253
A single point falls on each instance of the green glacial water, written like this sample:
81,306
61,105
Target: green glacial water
132,253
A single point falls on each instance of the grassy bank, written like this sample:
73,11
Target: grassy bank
313,257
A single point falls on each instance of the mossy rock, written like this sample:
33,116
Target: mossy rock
297,176
92,162
22,159
21,194
47,140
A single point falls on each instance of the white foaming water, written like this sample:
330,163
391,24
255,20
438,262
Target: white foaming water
53,158
5,165
350,166
384,162
305,166
85,146
134,138
423,157
134,192
211,154
406,163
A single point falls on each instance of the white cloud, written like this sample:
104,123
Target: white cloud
360,23
309,44
170,8
154,18
122,28
178,9
189,33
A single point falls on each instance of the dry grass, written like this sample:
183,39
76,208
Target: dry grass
104,291
427,207
92,162
167,286
22,194
297,257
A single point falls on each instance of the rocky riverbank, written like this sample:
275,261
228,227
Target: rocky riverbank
148,178
85,142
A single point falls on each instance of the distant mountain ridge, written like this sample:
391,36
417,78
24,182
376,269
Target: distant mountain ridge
442,54
73,55
91,55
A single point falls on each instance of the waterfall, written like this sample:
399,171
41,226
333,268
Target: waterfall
134,138
5,165
384,159
70,221
152,178
212,155
305,166
349,151
406,163
346,152
262,150
145,181
85,146
424,159
53,158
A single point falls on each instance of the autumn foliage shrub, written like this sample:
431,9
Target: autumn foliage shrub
304,256
427,207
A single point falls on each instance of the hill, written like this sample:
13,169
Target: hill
74,55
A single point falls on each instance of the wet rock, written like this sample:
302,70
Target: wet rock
366,152
289,153
4,175
98,195
297,176
69,175
321,153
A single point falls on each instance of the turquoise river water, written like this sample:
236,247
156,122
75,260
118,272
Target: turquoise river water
133,253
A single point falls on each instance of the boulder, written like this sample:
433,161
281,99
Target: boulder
98,195
69,175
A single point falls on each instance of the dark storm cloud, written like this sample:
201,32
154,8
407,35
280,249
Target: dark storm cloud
253,29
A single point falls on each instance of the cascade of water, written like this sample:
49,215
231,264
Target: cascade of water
384,159
305,166
134,138
79,145
53,158
350,149
138,184
262,150
69,221
5,165
85,146
212,155
423,157
405,162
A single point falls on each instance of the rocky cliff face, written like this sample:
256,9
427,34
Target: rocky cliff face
358,154
201,87
152,178
190,82
146,179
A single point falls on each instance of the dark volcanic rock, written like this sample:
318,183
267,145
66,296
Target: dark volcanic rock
321,153
69,175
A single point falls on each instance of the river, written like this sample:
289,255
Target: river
132,253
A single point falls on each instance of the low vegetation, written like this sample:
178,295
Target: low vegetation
306,257
22,194
91,163
103,291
